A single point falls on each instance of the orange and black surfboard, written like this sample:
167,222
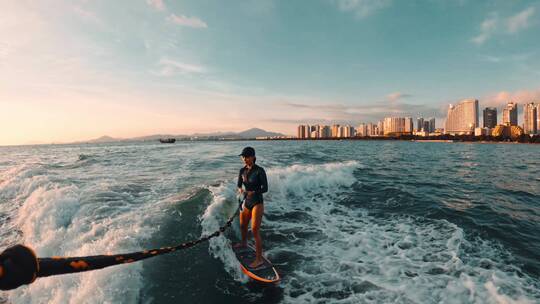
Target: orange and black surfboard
265,273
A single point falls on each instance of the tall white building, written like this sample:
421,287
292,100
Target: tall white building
538,118
409,126
335,131
394,125
530,112
462,118
370,129
398,125
380,127
510,114
362,130
346,131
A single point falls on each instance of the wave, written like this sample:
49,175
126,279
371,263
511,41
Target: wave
329,251
57,217
297,179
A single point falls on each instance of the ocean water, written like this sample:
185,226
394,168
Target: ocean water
345,222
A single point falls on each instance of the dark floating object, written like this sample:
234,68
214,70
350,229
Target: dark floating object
167,140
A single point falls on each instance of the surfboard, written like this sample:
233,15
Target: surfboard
266,273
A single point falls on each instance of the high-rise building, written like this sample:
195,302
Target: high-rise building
431,125
530,118
490,117
307,133
409,126
349,131
395,126
370,129
380,127
301,131
462,118
362,130
376,131
425,128
538,118
315,131
326,132
510,114
335,130
419,124
345,131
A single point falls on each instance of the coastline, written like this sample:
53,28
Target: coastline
423,140
457,139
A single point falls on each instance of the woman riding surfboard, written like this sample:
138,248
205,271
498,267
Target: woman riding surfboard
253,178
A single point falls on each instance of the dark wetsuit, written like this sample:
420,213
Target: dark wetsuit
253,180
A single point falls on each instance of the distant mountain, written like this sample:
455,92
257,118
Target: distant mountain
214,134
103,139
250,133
256,132
157,137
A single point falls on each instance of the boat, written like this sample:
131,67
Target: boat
167,140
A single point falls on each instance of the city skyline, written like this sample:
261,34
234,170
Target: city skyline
463,118
72,71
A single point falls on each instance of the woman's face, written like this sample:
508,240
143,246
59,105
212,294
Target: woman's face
248,160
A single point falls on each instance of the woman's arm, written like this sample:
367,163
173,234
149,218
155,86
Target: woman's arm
239,183
264,181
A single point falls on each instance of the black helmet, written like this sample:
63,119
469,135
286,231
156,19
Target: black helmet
247,151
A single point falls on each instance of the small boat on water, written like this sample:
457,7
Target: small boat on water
167,140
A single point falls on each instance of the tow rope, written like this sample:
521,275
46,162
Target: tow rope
19,265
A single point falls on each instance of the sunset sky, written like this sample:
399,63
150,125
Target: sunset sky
75,70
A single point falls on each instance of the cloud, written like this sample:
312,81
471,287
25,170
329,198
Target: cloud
487,29
170,67
499,99
193,22
490,58
493,25
354,114
396,96
327,107
157,4
361,8
519,21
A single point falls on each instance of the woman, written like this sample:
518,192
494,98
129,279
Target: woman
253,178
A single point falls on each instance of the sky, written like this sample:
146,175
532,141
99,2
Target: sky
80,69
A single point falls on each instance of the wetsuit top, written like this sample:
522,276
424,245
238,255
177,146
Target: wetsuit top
253,180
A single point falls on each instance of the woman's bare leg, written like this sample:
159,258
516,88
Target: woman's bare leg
257,214
245,216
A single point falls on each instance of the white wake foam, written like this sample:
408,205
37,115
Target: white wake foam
55,219
301,179
341,254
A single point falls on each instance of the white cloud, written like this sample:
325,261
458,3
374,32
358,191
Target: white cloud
490,58
397,96
487,29
362,8
157,4
187,21
520,21
170,67
499,99
493,25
